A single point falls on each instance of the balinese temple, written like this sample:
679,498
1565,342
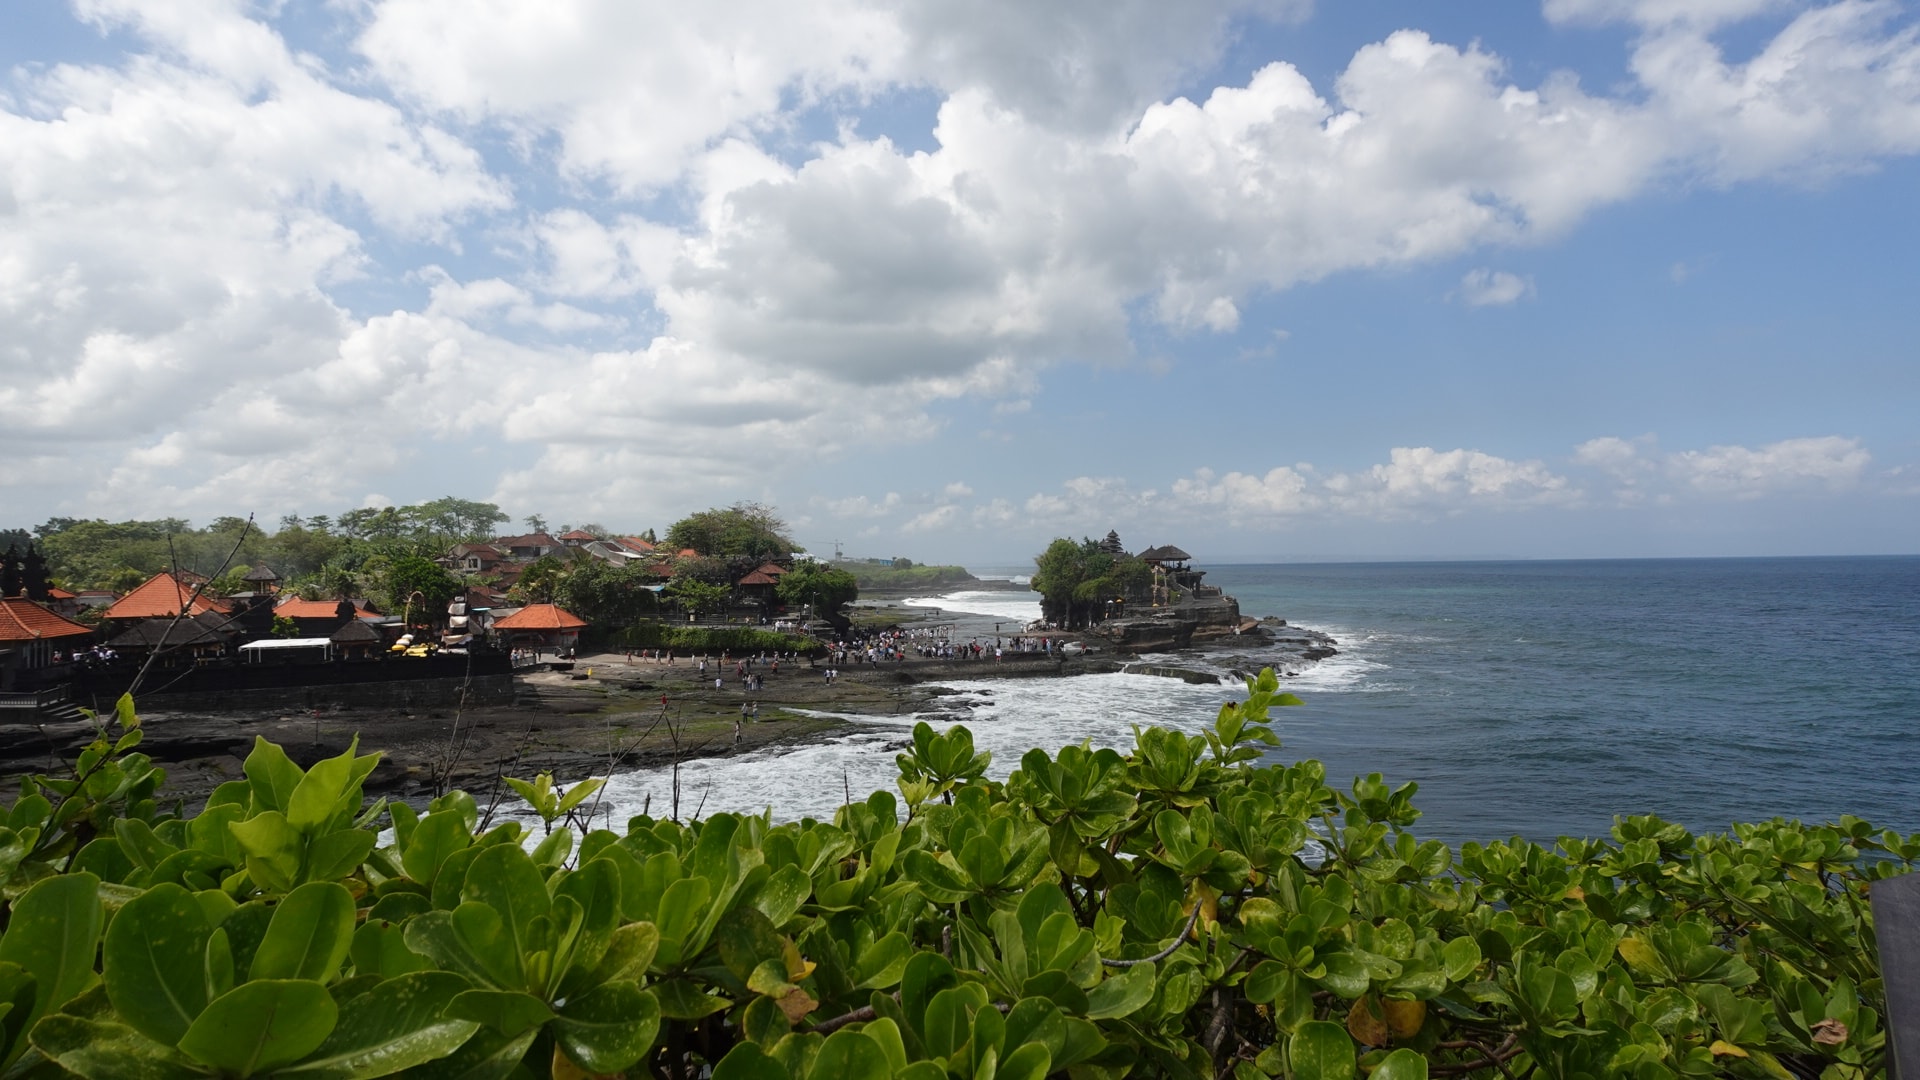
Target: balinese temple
36,643
164,594
1173,573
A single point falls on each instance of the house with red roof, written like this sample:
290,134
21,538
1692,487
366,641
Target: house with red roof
163,594
471,559
316,618
544,625
31,637
530,546
577,538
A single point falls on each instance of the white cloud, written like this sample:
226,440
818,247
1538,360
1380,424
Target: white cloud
1641,469
189,236
1829,461
1493,288
935,520
859,506
956,490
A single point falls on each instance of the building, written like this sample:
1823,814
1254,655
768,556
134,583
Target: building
545,626
163,594
530,546
35,643
471,559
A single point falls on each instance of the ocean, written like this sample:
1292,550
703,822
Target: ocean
1534,699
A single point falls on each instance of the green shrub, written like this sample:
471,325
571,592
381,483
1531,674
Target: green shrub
710,639
1182,910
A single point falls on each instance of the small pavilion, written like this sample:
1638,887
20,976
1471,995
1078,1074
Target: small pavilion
544,625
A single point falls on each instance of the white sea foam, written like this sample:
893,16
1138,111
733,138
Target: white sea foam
1014,715
1012,606
1007,717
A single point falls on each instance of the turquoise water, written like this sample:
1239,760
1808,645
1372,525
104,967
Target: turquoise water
1543,698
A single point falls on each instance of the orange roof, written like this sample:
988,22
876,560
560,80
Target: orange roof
161,594
23,620
55,592
296,608
634,543
541,617
770,568
689,553
578,534
757,578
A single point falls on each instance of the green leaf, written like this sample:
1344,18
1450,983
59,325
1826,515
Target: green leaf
52,934
1028,1062
155,962
505,879
98,1050
747,1061
1402,1064
608,1028
1460,958
505,1011
1321,1050
1121,995
435,837
320,795
850,1055
396,1025
308,938
272,774
339,853
261,1025
273,849
680,999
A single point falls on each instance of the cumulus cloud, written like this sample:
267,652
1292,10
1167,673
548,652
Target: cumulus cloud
1493,288
1640,469
231,267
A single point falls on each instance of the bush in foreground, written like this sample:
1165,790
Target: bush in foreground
1180,911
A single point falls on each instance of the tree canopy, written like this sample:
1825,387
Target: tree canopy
827,588
748,529
1076,580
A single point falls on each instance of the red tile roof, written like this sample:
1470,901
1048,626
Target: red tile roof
57,593
161,594
634,543
23,620
296,608
771,569
578,534
541,617
758,578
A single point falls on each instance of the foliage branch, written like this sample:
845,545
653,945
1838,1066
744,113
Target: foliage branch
1186,909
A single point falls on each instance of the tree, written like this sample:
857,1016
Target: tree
535,523
420,586
695,596
826,588
600,593
747,529
541,579
1077,580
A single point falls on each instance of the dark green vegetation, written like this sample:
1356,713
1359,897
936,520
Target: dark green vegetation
743,530
354,554
1098,915
1076,580
903,575
739,640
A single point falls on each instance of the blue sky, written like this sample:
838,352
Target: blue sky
1267,280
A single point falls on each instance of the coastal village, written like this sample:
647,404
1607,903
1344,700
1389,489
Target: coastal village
490,628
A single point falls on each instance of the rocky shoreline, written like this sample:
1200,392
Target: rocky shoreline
606,715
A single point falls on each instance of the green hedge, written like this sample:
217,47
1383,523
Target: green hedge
1182,910
738,639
